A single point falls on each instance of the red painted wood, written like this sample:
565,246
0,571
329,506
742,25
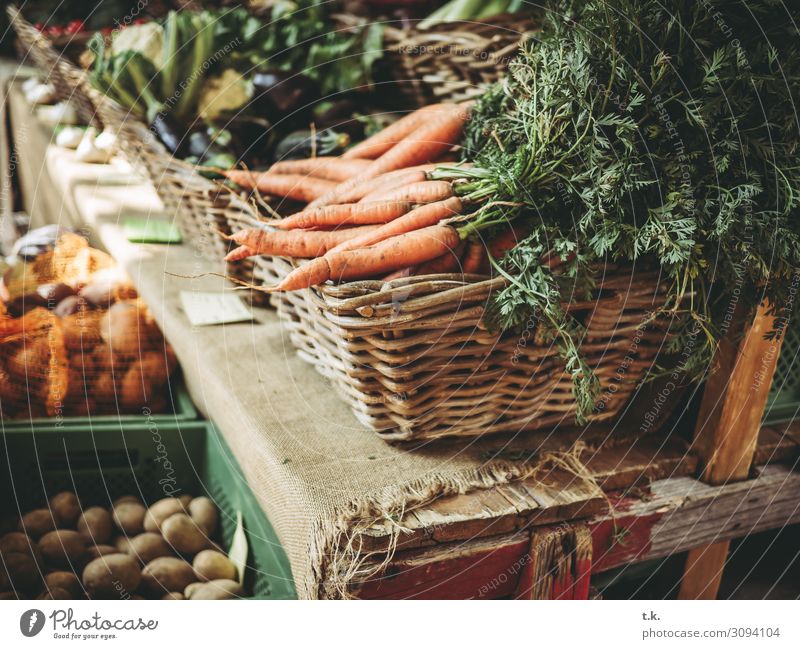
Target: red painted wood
487,573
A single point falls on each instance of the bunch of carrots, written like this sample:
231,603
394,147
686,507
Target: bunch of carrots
377,211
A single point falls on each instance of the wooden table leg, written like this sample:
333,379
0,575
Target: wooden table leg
727,429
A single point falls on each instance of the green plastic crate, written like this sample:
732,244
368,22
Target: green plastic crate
784,397
182,410
101,463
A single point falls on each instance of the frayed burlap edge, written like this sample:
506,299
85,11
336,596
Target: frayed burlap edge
337,553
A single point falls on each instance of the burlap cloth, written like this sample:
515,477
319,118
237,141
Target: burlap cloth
320,476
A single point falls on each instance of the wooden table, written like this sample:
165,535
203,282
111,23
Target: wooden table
498,542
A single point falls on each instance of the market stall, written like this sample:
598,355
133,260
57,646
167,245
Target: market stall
399,446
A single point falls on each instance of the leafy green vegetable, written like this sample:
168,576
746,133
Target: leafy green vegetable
660,132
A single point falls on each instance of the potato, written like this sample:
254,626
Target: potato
122,543
126,499
183,534
81,333
101,550
185,500
19,542
28,363
95,523
114,575
10,594
210,564
178,596
129,517
56,593
64,548
204,512
67,580
161,511
127,329
104,388
52,294
70,305
216,589
67,508
22,573
144,377
167,574
148,546
39,522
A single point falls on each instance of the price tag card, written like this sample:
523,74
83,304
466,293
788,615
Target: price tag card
213,308
139,230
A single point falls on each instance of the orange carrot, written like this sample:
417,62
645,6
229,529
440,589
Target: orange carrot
347,214
392,254
420,217
378,144
294,186
446,263
427,191
326,167
237,254
424,145
385,181
295,243
473,257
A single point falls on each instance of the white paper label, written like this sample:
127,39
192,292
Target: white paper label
213,308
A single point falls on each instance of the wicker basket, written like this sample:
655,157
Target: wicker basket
69,81
415,361
454,61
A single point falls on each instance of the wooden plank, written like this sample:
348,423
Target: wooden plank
683,514
551,498
775,446
671,516
480,569
727,431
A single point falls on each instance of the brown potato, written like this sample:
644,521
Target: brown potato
113,575
56,593
127,499
126,328
148,546
21,571
216,589
122,543
161,511
185,500
64,548
67,580
167,574
183,534
204,512
20,542
144,377
129,517
10,594
67,508
95,523
101,550
177,596
104,388
38,522
210,564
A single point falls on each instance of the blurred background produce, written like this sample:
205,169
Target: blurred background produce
74,338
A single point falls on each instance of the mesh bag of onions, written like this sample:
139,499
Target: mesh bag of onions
75,340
